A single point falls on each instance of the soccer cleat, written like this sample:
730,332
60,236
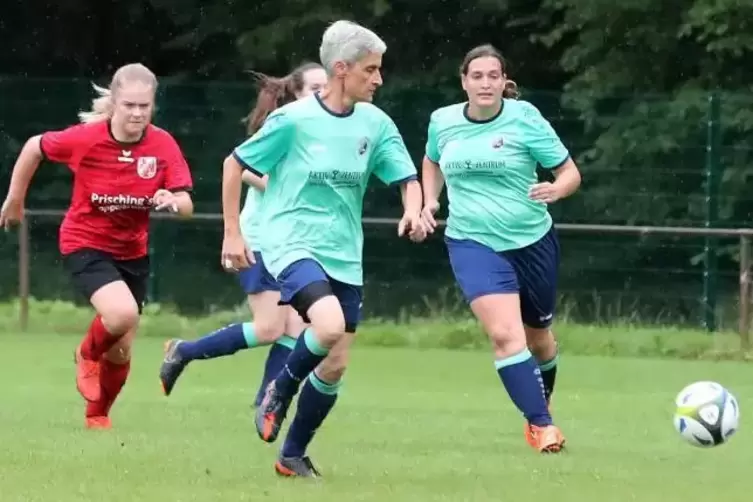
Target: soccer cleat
547,439
98,423
527,426
172,366
87,377
270,414
299,467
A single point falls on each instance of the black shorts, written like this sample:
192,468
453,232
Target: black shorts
91,269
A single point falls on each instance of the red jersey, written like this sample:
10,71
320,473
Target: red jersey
113,185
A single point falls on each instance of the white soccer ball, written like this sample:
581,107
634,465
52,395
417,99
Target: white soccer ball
706,414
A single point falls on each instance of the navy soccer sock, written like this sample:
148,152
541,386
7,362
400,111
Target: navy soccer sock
306,355
549,375
314,404
278,354
223,342
522,378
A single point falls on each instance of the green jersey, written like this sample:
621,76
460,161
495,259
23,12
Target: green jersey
319,164
489,167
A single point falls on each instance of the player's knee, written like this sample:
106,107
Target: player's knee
328,320
268,330
329,332
507,338
119,319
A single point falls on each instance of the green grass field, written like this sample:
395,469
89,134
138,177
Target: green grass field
411,425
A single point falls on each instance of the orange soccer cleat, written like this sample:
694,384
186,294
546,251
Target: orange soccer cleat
87,377
547,439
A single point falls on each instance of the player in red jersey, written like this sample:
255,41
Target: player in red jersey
123,166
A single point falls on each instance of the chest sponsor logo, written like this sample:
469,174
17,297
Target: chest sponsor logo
336,178
107,203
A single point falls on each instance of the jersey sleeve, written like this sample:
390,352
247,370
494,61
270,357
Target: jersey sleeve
543,142
266,149
62,146
177,173
392,163
432,141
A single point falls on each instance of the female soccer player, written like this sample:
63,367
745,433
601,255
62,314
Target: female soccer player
123,166
500,238
319,153
272,324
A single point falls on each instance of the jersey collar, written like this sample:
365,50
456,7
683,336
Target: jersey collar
484,121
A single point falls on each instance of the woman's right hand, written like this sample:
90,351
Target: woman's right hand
235,255
12,212
427,215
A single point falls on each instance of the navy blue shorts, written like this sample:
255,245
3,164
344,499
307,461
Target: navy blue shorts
304,282
530,271
257,279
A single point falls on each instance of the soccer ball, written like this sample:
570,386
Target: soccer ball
706,414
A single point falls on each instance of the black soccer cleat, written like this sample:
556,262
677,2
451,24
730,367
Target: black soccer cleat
270,414
172,366
296,467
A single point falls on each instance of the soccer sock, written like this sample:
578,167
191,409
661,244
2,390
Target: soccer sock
97,340
549,375
278,354
314,404
306,355
522,378
223,342
112,378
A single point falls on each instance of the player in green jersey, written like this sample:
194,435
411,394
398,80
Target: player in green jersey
319,154
500,237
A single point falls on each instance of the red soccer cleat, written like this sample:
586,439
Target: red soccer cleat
87,377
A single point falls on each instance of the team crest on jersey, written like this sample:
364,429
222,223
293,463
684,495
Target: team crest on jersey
146,167
363,146
498,143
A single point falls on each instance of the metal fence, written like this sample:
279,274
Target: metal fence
162,285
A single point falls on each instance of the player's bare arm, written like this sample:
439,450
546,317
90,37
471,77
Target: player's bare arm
26,165
411,220
249,178
178,202
567,181
234,253
433,184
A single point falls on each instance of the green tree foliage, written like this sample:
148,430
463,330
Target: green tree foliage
642,74
629,88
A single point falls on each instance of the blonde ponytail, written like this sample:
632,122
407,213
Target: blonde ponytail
102,107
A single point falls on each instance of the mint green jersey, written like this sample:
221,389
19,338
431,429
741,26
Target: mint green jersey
251,218
489,167
319,164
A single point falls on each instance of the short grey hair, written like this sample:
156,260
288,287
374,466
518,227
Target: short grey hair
348,42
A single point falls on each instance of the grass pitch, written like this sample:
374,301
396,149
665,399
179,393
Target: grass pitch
411,425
